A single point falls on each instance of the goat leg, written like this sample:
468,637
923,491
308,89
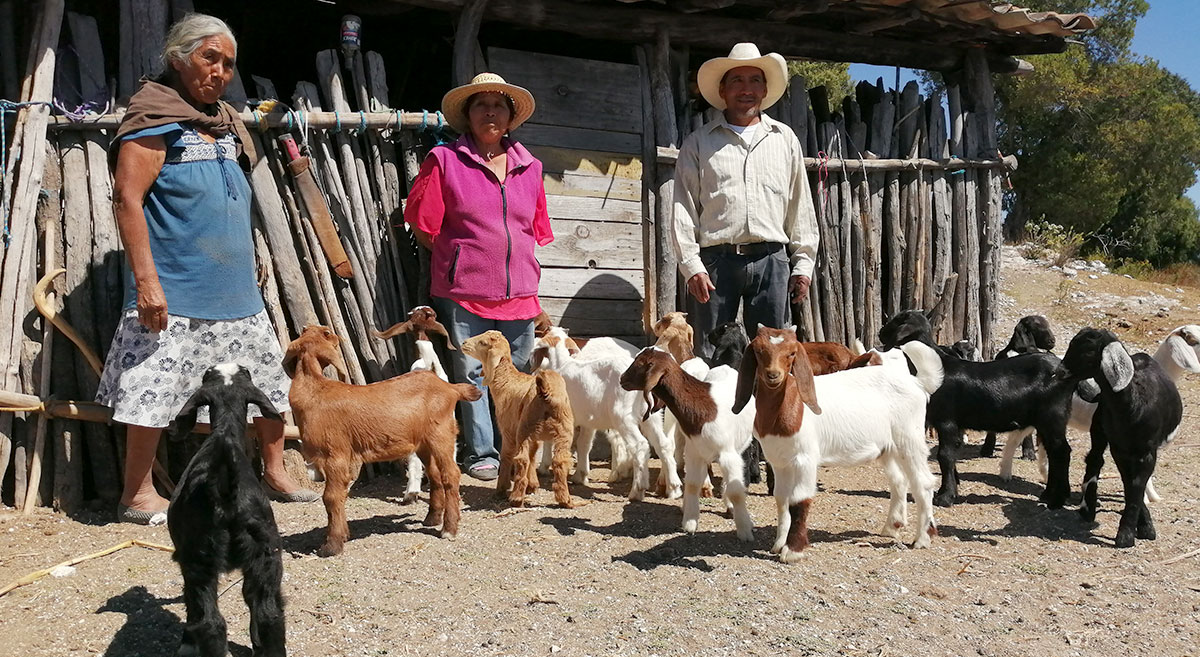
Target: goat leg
947,457
561,467
988,449
205,631
263,577
1058,453
1028,451
797,538
337,489
437,491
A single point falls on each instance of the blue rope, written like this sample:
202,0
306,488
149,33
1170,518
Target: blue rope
7,106
362,122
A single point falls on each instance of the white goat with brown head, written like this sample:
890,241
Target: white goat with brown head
856,416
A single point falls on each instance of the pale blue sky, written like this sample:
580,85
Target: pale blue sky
1166,33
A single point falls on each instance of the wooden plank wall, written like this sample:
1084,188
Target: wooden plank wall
587,131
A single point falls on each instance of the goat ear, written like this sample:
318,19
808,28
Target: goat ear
802,372
1182,354
185,420
289,360
437,327
536,357
259,398
747,377
1116,365
396,329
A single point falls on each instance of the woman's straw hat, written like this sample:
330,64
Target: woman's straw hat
773,66
452,102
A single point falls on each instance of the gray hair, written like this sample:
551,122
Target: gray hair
189,32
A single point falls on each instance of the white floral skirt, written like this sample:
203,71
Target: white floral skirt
148,377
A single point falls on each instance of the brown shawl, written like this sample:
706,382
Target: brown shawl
157,104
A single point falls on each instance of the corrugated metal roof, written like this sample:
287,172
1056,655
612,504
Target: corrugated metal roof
1002,16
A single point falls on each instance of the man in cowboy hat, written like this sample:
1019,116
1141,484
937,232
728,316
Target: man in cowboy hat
745,228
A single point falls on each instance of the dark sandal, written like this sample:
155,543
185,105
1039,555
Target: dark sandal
138,517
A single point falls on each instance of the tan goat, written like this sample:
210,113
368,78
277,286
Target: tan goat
344,426
530,409
675,336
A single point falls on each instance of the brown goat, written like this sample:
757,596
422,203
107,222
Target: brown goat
422,320
827,357
530,409
675,335
343,426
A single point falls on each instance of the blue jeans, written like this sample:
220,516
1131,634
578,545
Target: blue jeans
481,439
758,283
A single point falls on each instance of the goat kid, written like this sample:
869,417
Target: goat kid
1001,395
421,321
220,520
711,430
1031,335
599,403
344,426
1138,410
531,409
857,416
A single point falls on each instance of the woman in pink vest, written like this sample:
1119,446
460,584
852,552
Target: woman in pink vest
479,205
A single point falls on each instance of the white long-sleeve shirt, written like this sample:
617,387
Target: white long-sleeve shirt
731,192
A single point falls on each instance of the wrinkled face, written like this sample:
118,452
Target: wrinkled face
206,72
906,326
743,88
489,116
774,351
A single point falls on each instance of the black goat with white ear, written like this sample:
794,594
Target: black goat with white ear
1139,409
220,520
1032,335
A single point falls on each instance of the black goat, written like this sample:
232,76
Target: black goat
1001,395
729,342
1032,335
1139,409
220,520
965,350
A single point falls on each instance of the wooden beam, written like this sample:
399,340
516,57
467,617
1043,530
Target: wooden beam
466,40
1007,163
887,22
706,32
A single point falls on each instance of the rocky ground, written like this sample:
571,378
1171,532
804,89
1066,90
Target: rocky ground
1005,577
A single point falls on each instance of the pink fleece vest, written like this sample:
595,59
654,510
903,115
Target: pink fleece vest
486,243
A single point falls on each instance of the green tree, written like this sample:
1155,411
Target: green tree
834,76
1108,141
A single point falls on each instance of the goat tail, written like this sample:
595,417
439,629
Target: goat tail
858,349
467,391
927,363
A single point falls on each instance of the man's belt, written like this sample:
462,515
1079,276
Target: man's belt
755,249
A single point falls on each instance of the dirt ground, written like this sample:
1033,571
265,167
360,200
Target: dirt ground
1005,577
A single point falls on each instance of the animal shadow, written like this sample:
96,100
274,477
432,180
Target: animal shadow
149,629
307,542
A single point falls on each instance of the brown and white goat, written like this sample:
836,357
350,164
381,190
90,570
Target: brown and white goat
343,426
712,430
531,409
863,415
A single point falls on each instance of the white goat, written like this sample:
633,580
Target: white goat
714,432
599,403
857,416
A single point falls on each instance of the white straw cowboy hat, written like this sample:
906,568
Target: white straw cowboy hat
743,54
452,102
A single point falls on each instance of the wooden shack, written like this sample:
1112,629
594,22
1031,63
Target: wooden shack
907,189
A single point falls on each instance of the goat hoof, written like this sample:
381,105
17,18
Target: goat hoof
1147,533
689,526
577,478
1124,539
944,499
987,451
777,548
1053,500
788,555
449,536
675,493
1088,515
636,495
409,498
329,550
706,491
432,519
746,536
1028,455
890,531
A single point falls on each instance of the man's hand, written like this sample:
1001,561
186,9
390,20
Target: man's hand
798,288
699,287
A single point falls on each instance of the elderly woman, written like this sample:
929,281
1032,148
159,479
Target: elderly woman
479,205
191,299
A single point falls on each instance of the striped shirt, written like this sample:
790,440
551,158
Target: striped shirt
728,192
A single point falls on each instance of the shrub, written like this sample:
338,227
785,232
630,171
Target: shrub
1050,240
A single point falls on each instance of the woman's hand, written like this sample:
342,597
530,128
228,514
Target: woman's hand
152,306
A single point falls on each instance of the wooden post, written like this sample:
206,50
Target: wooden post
666,134
797,118
938,149
883,116
466,40
10,86
649,195
983,131
958,207
19,259
908,116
